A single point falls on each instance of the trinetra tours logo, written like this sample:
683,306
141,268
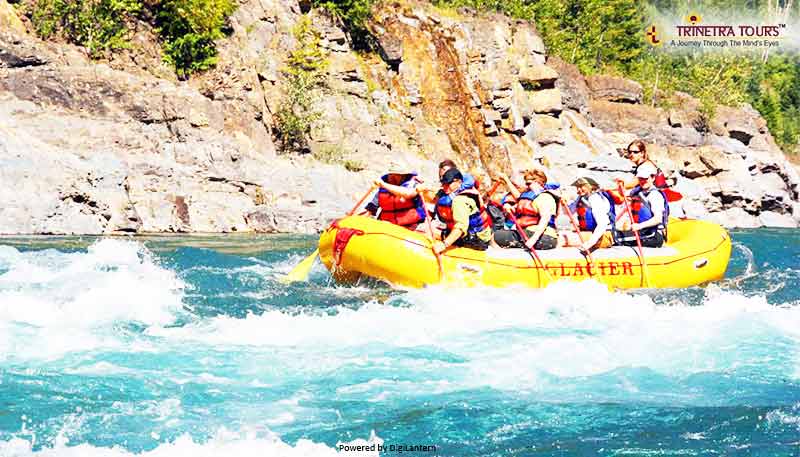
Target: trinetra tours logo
693,19
693,32
652,36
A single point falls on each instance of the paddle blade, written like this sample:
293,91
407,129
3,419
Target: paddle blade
301,271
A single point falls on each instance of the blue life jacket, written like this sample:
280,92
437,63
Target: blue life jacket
478,220
583,210
641,210
445,201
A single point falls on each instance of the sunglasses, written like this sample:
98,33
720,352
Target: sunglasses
635,151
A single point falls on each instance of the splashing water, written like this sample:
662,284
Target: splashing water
191,346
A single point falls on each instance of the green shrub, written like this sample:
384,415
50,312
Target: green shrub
354,15
520,9
190,53
188,29
305,72
98,25
335,155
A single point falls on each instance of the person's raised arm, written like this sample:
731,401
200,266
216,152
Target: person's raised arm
512,189
400,191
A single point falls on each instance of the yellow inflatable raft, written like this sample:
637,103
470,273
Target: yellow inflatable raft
697,252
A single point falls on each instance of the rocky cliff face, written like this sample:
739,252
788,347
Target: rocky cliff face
119,146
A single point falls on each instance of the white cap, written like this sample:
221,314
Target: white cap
646,170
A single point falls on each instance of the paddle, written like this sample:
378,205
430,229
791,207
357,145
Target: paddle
577,229
493,190
645,278
432,239
301,271
531,250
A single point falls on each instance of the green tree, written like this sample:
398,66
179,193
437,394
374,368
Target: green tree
595,35
774,90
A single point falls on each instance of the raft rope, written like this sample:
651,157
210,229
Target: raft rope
343,236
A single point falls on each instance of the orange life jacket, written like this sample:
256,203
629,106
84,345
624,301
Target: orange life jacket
406,212
526,214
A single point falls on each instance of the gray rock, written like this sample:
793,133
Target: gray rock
773,219
15,53
682,136
572,84
133,152
548,130
697,162
546,101
502,105
526,40
614,89
490,117
739,124
390,49
735,218
537,76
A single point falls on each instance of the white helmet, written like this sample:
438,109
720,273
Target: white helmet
646,170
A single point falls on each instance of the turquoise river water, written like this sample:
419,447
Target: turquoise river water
189,346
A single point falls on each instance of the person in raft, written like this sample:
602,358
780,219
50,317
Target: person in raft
398,200
649,210
467,224
637,153
595,212
469,180
535,213
503,203
443,201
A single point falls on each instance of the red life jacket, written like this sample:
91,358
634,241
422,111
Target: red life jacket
406,212
477,221
526,214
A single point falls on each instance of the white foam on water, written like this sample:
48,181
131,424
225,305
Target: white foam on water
114,280
784,416
57,299
100,369
510,337
223,443
506,338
